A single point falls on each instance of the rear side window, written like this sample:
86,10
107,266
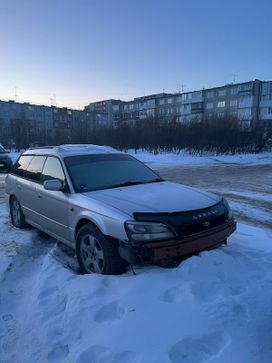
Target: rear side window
35,167
52,170
21,165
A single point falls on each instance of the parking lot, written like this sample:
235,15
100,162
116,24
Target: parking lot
247,188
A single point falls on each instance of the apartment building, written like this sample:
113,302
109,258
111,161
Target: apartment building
103,113
248,102
265,105
36,120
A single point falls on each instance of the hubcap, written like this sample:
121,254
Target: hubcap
16,213
92,254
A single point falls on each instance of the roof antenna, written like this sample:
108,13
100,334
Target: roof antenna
182,87
234,75
53,100
15,94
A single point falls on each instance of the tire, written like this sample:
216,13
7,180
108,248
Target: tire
16,214
97,253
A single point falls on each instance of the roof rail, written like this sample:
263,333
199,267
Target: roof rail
84,147
41,147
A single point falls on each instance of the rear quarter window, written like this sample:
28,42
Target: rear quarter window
21,165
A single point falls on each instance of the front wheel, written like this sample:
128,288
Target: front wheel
97,253
16,214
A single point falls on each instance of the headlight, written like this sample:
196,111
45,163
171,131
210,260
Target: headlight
145,231
229,211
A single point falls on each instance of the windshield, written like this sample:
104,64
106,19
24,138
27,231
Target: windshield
104,171
2,150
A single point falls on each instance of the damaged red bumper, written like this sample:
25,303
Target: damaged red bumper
191,244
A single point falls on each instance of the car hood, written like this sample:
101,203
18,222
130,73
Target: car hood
161,197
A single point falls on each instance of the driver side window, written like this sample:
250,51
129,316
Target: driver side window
52,170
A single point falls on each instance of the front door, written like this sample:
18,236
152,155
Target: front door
54,205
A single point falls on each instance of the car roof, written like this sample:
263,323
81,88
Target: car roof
71,150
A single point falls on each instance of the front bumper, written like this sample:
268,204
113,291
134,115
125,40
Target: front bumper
191,244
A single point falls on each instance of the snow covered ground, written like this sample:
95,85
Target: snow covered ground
183,158
215,307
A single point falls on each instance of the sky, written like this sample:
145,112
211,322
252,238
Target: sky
73,52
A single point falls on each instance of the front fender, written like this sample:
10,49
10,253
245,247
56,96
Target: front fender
109,226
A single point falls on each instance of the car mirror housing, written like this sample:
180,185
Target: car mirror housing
53,185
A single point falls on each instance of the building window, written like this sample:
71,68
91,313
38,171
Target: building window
233,103
209,105
196,94
169,101
246,86
234,90
162,102
220,114
210,94
186,96
221,104
244,113
270,110
221,92
131,106
179,99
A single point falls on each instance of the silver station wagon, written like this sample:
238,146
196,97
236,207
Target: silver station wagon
113,209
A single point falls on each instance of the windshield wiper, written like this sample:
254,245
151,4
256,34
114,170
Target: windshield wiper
127,184
157,180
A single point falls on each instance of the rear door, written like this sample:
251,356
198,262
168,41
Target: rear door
29,192
26,175
20,181
54,205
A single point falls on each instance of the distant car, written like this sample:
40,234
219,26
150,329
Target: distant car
112,208
5,160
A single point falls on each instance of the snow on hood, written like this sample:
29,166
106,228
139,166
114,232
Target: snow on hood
155,197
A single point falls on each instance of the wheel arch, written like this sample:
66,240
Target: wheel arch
82,222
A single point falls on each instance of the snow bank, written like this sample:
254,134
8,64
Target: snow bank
213,307
184,158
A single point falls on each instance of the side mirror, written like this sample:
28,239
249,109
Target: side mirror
53,184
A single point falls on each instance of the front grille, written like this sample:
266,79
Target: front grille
191,222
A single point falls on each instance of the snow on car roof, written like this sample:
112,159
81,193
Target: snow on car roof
72,149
